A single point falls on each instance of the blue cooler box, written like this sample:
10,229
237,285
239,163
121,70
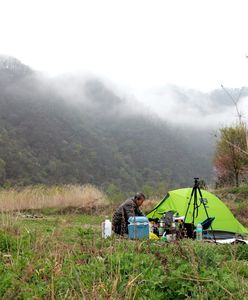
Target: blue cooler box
138,228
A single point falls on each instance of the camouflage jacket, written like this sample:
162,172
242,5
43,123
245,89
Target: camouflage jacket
121,215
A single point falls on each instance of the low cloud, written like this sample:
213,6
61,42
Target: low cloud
194,108
175,105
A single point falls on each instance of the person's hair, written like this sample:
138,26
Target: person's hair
139,195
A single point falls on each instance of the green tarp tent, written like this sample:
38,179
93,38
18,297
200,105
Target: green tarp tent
178,201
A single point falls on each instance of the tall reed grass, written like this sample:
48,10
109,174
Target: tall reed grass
38,197
149,204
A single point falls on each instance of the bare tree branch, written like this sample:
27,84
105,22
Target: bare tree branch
234,101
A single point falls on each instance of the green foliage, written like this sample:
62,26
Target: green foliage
72,261
242,190
148,190
7,242
114,194
155,190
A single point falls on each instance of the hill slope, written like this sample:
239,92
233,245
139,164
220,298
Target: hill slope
48,137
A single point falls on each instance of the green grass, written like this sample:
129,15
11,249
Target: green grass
64,257
243,190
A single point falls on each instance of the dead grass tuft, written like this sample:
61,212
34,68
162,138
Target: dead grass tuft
149,204
38,197
240,211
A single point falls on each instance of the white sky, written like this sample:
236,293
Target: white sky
136,44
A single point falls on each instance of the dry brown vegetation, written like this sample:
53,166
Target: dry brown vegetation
149,204
38,197
237,203
240,211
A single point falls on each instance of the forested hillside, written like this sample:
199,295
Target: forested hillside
90,135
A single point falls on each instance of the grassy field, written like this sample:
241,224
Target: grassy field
58,253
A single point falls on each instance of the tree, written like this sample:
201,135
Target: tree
231,157
2,171
114,194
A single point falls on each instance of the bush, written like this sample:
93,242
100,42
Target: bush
7,242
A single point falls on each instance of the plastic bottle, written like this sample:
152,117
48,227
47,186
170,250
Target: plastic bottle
199,232
106,228
161,228
173,229
164,237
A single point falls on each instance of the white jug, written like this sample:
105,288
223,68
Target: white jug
106,228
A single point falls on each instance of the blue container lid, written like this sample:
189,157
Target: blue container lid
138,219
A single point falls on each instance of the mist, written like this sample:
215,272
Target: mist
192,108
175,105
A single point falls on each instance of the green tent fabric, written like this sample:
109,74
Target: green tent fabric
178,201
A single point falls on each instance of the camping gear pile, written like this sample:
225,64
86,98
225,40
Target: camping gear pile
221,224
168,227
185,213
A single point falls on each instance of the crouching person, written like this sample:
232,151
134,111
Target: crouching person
129,208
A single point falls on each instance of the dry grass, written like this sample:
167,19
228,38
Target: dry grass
38,197
240,211
237,203
149,204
